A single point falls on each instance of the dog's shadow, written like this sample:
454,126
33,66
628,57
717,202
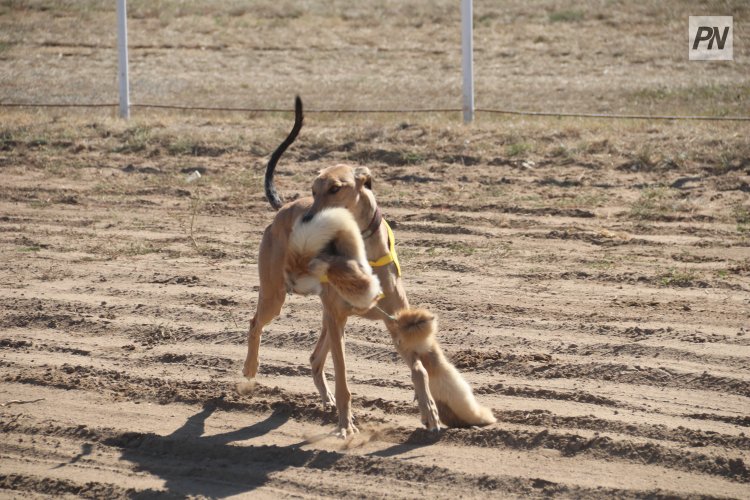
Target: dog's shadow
191,464
419,438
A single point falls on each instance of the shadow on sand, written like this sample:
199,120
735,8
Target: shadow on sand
192,464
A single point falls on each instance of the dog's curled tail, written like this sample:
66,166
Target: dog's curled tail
273,197
455,401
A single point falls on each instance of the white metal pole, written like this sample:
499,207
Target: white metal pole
122,46
467,58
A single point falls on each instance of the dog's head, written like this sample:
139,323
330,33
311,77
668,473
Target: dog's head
342,186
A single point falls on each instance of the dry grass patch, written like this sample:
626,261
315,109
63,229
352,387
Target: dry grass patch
660,203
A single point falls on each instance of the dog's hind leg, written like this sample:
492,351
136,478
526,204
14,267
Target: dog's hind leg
268,309
317,362
270,300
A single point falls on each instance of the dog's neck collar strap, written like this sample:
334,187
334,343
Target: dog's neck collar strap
374,224
391,256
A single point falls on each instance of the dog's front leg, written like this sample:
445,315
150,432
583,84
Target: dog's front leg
335,321
317,362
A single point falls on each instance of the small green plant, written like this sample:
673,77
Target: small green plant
566,16
741,215
586,200
135,139
518,149
179,146
562,151
413,158
495,191
461,248
645,156
112,250
408,254
138,248
39,203
657,202
678,278
602,264
157,333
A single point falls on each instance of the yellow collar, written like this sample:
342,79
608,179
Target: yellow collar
391,256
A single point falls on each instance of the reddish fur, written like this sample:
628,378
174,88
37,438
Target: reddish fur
346,276
297,264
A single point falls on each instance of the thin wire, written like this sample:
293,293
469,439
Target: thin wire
614,116
389,316
277,110
386,111
55,105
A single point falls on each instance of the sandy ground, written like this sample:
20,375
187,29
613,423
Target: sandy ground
592,281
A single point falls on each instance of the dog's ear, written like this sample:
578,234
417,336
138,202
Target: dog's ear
363,177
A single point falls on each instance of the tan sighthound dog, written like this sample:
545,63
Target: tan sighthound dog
350,188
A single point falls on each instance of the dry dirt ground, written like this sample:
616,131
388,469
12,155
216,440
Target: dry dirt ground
592,278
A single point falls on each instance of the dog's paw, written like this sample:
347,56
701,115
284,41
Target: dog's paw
246,387
329,402
342,432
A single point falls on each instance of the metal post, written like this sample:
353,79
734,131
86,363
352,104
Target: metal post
122,46
467,59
